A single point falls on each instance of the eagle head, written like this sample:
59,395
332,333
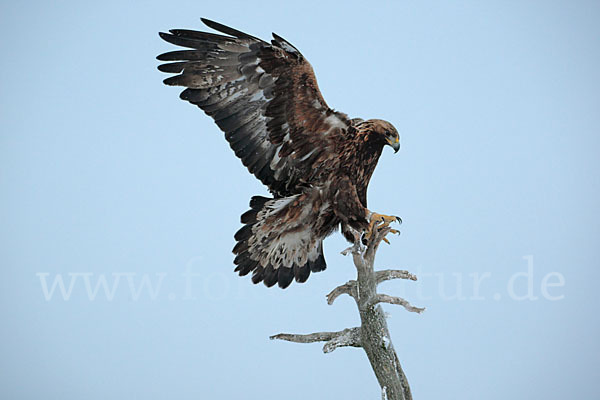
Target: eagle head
382,132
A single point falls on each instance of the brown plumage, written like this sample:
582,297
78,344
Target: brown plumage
315,161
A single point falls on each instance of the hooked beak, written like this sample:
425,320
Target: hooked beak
395,144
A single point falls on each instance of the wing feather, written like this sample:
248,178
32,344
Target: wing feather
263,96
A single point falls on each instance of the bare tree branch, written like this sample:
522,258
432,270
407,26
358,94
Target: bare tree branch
305,338
388,274
384,298
348,288
345,338
348,337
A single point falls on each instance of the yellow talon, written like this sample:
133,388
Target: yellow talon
394,231
378,221
384,219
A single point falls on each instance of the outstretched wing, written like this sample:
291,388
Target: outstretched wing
264,96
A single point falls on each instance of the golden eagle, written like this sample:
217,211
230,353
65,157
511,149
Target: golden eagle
315,161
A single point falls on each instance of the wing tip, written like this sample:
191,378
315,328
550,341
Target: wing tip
226,29
162,57
207,21
172,81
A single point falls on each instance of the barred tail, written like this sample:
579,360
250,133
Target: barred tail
275,246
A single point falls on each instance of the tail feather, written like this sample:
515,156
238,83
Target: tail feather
258,274
301,273
271,276
319,264
276,243
285,277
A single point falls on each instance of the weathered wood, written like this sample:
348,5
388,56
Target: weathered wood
347,337
373,334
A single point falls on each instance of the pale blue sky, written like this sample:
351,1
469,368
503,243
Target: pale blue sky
103,171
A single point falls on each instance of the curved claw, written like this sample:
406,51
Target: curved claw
382,219
379,221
